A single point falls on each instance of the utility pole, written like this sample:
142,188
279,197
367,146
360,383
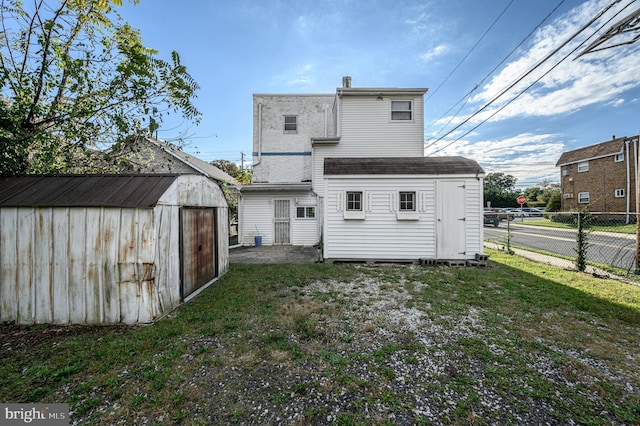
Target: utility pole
242,160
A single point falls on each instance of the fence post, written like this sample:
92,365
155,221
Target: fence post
581,240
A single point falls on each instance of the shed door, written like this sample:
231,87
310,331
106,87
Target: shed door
198,250
451,234
282,222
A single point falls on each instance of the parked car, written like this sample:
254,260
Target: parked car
505,214
491,217
527,211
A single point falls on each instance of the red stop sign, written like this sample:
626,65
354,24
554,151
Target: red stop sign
521,200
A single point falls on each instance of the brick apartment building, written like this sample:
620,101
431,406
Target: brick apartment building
603,176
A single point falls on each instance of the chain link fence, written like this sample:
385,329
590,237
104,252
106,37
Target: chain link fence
586,241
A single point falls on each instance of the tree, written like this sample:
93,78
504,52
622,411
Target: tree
500,182
499,190
75,77
227,166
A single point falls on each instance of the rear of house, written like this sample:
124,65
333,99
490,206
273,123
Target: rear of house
311,154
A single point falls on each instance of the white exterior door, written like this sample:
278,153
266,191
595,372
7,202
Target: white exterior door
282,222
451,235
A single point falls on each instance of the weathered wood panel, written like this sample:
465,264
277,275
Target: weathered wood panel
198,248
98,265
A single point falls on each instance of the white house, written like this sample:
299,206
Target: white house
347,170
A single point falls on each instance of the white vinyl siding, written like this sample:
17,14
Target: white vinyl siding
366,129
381,235
258,218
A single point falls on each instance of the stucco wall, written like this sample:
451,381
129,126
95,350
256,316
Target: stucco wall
281,156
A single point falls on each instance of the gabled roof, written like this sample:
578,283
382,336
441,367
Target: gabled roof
401,166
600,150
208,170
84,190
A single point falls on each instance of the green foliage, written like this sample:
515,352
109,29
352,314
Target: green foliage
554,204
75,77
499,190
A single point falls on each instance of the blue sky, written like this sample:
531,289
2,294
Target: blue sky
465,51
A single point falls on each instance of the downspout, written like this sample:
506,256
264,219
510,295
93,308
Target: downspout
626,147
259,135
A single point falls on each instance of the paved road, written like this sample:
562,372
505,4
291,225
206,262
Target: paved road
603,247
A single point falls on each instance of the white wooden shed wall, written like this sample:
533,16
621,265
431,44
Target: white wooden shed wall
100,265
381,235
257,217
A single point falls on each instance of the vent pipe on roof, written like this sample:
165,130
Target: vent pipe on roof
346,82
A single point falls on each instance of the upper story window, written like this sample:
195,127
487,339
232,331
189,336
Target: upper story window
290,124
619,157
619,193
401,110
583,166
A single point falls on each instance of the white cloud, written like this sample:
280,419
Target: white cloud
529,157
595,78
439,50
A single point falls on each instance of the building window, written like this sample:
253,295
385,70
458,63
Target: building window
290,123
401,110
407,201
583,166
619,157
619,193
354,201
583,197
305,212
565,172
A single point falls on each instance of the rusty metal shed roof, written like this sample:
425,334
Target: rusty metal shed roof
453,165
83,190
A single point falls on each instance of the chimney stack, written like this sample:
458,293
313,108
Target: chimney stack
346,82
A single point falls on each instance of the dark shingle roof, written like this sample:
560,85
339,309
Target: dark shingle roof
401,166
603,149
83,190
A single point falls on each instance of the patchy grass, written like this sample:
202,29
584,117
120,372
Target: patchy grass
516,342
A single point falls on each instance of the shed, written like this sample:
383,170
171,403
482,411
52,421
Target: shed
107,249
402,209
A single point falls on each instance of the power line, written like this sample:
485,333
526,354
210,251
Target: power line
469,52
519,79
469,93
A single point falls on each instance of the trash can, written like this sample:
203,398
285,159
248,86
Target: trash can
258,240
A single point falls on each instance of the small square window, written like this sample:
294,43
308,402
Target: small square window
583,197
583,167
354,201
290,123
619,193
401,110
619,157
305,212
407,201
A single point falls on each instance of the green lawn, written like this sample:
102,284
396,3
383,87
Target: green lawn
513,343
605,227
